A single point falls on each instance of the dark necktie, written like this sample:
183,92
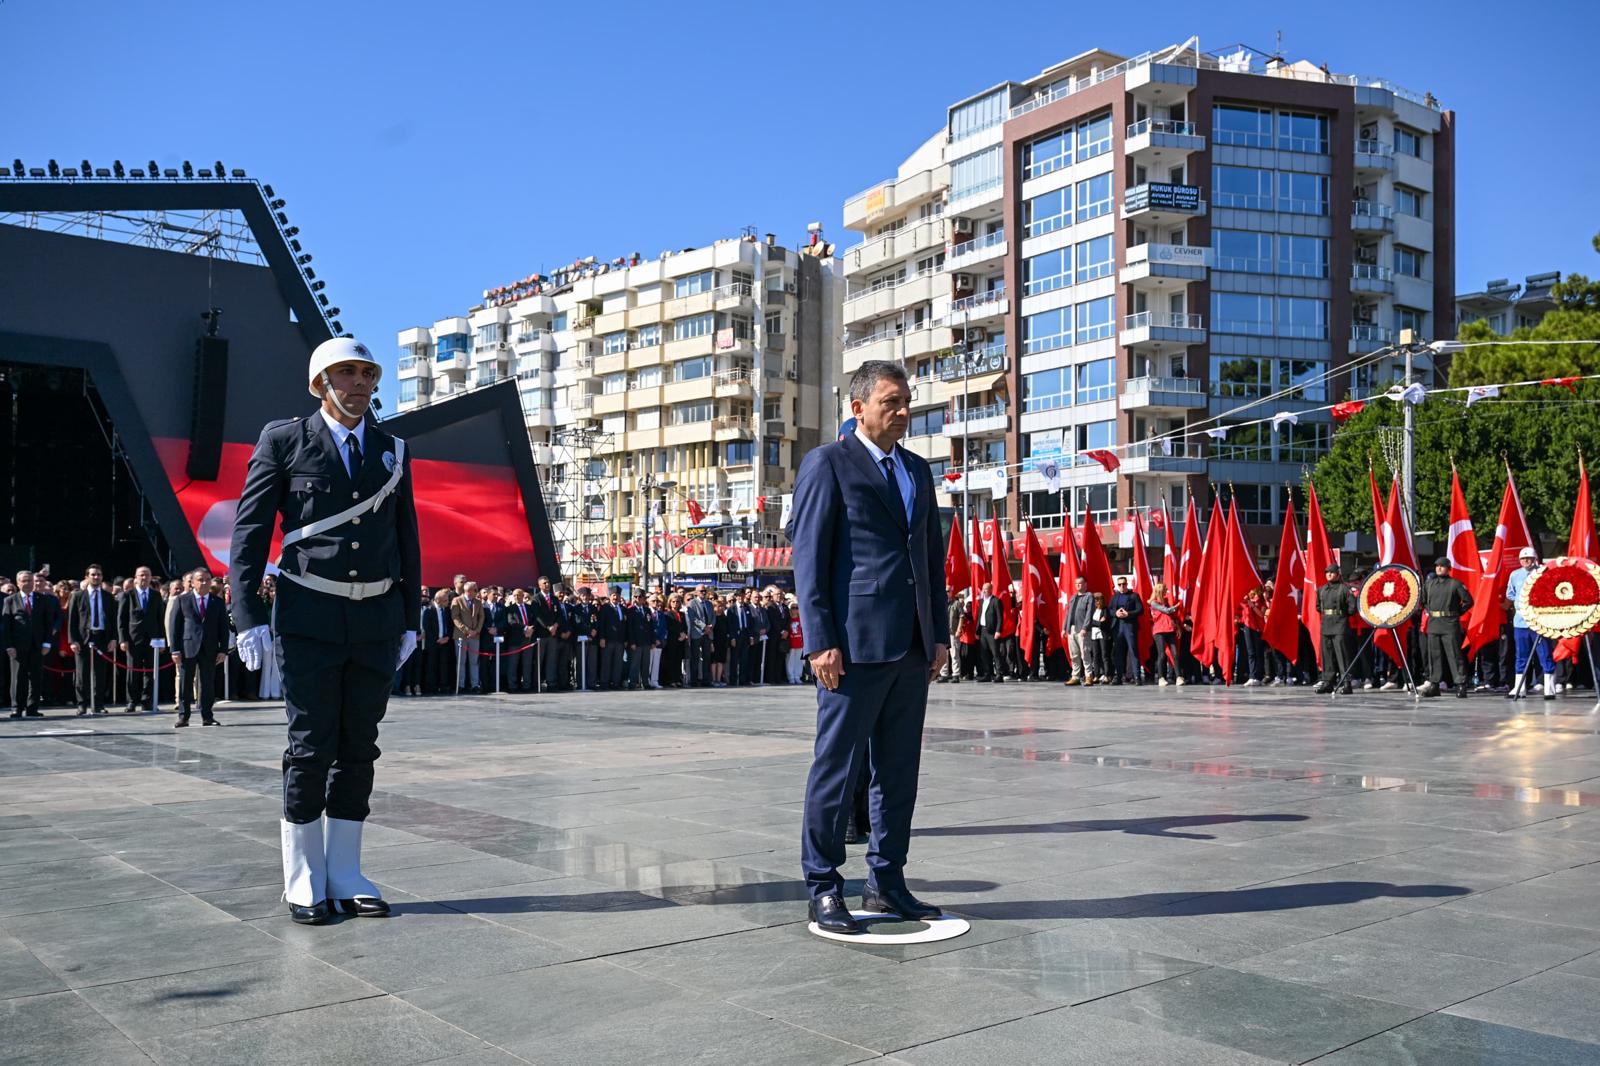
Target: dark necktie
887,462
144,599
353,447
94,608
200,601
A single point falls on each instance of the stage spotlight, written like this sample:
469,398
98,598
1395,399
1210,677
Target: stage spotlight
338,328
291,231
155,170
170,172
318,286
310,274
294,244
322,298
188,169
268,190
55,171
86,169
332,311
102,172
217,166
276,205
116,168
237,172
16,167
69,172
5,172
303,259
136,172
36,172
283,219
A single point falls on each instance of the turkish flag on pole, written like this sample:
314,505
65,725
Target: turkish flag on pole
1461,547
1000,577
1040,599
1189,560
1385,549
1318,556
1206,588
1067,586
1581,543
1096,567
1282,629
1394,535
1169,552
1239,577
1144,586
956,572
977,564
1510,537
696,512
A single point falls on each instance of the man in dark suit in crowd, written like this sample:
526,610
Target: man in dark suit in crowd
1125,608
547,613
701,620
140,621
641,638
991,619
756,622
517,654
613,641
438,651
740,633
199,645
869,575
583,623
777,637
28,624
91,629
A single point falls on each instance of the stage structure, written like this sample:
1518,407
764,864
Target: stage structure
151,321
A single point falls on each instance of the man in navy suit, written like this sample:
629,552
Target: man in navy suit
199,645
869,574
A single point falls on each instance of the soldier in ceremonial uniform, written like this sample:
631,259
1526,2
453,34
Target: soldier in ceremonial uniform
1335,604
349,580
1445,599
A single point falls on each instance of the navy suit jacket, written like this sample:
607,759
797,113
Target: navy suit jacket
861,571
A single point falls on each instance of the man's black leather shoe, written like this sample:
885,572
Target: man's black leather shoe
897,901
365,907
832,916
316,914
182,723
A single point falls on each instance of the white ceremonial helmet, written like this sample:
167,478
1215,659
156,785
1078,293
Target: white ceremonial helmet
331,353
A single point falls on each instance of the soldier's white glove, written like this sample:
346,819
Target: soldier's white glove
408,644
254,644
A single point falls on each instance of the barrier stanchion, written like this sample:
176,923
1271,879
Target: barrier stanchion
583,662
761,674
458,665
538,663
498,641
227,671
157,646
94,688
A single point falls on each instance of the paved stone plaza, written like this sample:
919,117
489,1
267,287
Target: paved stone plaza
1152,876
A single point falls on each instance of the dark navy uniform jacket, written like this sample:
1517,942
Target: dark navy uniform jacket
297,474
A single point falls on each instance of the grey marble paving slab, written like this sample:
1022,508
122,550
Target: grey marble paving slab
1069,1037
1448,1040
48,1030
1557,1003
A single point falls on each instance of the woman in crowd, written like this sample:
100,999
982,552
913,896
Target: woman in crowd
1253,622
1100,641
675,643
1164,628
721,643
797,643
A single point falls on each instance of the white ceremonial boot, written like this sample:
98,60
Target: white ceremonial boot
349,891
305,872
1549,687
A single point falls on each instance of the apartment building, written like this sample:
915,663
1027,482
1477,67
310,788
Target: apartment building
703,374
1120,248
1506,305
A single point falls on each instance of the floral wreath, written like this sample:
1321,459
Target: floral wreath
1562,598
1389,596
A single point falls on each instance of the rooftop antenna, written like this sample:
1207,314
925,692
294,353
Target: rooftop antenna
1278,48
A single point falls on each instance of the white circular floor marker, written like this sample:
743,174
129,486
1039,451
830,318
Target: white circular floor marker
928,931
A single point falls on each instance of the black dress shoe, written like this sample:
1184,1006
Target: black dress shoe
316,914
365,907
209,721
35,714
182,723
832,916
15,714
898,901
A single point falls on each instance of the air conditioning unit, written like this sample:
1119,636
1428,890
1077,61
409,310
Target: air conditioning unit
977,336
790,287
962,227
964,281
503,346
794,375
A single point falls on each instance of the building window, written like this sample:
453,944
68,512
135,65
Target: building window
1047,390
559,321
1246,187
739,453
695,284
1257,503
774,451
1045,154
1047,330
1048,212
614,343
1094,137
1302,318
1408,261
928,423
612,384
1094,435
975,173
450,344
1096,319
1408,201
1098,500
1245,444
1303,257
1302,194
1046,272
1410,318
1244,251
1094,197
1306,377
648,336
1249,127
1095,381
697,326
685,413
1303,443
1094,258
649,418
1243,378
489,336
691,369
1407,142
978,114
648,377
1300,132
1239,312
773,324
408,390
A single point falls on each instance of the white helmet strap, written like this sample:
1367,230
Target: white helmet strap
330,393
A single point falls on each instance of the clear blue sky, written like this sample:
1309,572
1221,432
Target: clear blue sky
431,150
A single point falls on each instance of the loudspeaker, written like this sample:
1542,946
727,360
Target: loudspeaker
207,408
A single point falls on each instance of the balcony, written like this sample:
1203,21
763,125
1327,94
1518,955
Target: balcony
731,427
1373,278
893,195
979,306
734,385
1162,203
974,421
1166,456
883,298
1374,157
1161,327
1368,216
897,244
1154,264
980,250
973,197
411,366
541,340
1366,337
1182,394
1160,140
733,296
581,401
989,359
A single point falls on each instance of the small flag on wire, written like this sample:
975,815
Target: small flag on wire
1219,433
1285,416
1344,412
1412,394
1481,392
1105,458
1050,471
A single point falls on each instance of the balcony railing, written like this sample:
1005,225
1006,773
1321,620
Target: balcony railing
1162,320
408,362
1166,448
988,240
990,359
1371,272
733,288
1160,125
886,286
1368,146
1190,386
1367,333
1079,84
967,303
1371,209
954,415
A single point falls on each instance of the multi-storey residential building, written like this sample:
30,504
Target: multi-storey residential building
700,375
1133,247
1506,306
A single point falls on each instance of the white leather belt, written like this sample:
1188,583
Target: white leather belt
349,590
